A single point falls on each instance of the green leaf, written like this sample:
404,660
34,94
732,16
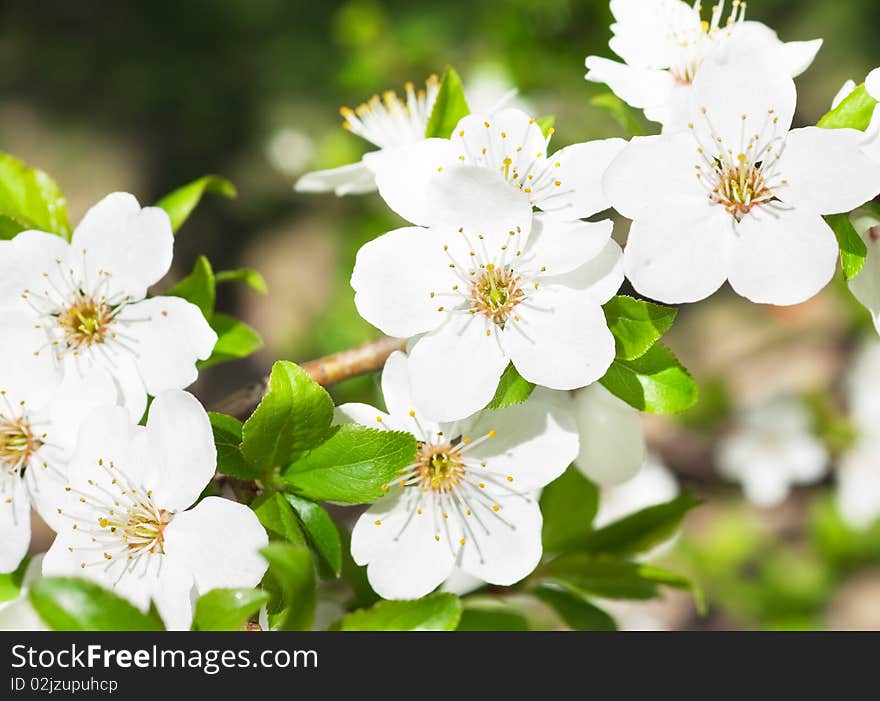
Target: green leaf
199,287
854,112
637,325
293,416
853,250
227,438
278,518
612,579
640,531
656,382
622,113
291,583
352,465
575,610
512,389
484,613
546,124
77,604
249,277
569,505
433,612
10,582
180,203
235,340
323,534
29,199
227,609
449,107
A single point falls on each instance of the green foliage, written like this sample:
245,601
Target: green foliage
245,276
279,519
11,582
637,325
352,465
235,340
547,124
569,505
512,389
854,112
29,199
180,203
641,531
611,578
77,604
485,613
432,612
656,382
853,250
575,609
293,416
322,532
199,287
227,438
622,113
449,108
227,609
290,582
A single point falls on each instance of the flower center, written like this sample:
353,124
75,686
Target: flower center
141,528
495,293
86,321
741,186
440,467
17,444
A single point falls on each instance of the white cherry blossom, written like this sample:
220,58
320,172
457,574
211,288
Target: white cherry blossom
77,308
866,285
468,501
737,196
487,282
664,43
654,484
772,449
386,122
871,139
128,522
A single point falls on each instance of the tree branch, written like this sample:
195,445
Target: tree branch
326,371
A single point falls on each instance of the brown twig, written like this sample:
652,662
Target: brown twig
326,371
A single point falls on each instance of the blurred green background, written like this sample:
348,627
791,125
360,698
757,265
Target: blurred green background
145,96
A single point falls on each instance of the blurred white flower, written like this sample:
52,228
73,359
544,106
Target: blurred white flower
858,476
468,501
290,151
490,88
387,123
772,449
129,525
79,308
654,484
738,196
664,43
18,614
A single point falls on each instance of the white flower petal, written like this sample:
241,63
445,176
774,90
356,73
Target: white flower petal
580,171
782,257
512,549
826,171
848,88
174,594
394,276
798,56
354,179
26,259
600,278
872,83
181,446
126,375
612,438
133,245
368,416
47,493
562,341
15,522
479,201
533,443
170,335
639,87
636,37
395,384
218,541
455,370
679,251
562,246
866,285
858,485
28,368
653,171
403,175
